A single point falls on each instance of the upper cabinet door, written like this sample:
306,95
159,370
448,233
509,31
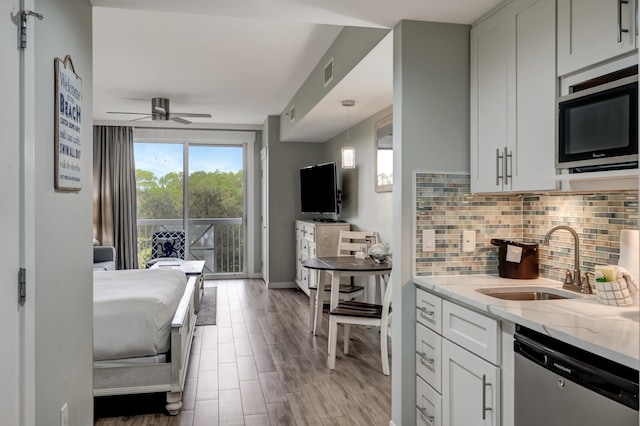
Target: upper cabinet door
593,31
532,166
492,96
513,89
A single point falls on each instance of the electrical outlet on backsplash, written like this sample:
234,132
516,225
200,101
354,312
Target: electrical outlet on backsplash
445,204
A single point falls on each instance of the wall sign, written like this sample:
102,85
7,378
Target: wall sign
68,126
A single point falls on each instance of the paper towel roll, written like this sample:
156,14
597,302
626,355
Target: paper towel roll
629,252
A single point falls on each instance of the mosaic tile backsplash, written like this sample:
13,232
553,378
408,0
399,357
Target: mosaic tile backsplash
445,204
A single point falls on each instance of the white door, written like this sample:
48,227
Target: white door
264,216
11,218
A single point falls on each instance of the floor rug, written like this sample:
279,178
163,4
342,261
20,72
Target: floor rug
207,314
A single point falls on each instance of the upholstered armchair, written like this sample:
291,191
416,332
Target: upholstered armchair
104,258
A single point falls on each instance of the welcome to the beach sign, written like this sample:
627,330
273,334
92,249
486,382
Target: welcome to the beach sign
68,126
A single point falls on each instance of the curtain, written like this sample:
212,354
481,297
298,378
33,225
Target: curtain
114,193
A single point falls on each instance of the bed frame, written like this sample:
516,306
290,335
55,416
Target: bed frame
166,377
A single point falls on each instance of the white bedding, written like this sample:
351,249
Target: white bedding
132,311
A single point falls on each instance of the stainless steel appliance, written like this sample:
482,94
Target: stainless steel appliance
598,126
559,384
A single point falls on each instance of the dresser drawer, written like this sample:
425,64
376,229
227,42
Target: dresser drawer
428,405
473,331
429,356
309,232
429,310
304,277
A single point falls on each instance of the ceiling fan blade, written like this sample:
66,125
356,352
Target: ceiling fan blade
179,120
130,113
141,118
189,114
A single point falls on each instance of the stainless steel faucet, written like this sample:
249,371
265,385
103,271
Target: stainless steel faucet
577,282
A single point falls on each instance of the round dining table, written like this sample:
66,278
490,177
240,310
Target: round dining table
336,267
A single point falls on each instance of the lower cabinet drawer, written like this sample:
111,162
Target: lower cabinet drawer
429,310
428,405
475,332
429,356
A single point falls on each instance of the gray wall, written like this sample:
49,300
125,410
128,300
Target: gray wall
362,207
285,160
430,132
349,48
62,274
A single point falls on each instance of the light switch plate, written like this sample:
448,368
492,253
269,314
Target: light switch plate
428,240
468,241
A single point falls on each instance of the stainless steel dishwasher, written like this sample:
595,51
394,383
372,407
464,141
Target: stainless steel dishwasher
559,384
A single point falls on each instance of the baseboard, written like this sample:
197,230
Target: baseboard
256,276
283,284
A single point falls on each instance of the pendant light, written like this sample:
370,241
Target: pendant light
348,152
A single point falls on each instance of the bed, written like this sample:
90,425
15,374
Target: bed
143,327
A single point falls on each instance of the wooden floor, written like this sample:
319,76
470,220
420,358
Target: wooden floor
260,366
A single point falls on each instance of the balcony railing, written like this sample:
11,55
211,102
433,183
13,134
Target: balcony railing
219,242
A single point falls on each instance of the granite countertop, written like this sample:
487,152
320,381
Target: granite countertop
609,331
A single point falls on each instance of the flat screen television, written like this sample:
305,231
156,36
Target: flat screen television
318,189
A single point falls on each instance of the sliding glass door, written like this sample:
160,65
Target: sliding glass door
198,189
216,208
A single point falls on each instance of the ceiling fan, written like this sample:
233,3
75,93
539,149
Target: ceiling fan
160,111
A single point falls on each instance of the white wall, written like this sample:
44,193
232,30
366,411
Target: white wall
62,229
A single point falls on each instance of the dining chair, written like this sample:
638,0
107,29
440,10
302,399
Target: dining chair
352,242
352,312
349,243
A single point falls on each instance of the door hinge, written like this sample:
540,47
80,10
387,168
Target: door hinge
22,37
22,286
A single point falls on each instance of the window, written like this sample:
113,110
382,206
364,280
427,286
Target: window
208,201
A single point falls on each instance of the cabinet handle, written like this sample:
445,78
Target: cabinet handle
498,158
423,411
424,357
484,397
424,311
620,29
508,166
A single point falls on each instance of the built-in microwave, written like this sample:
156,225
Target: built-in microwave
598,127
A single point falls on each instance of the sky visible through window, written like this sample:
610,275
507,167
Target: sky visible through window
163,158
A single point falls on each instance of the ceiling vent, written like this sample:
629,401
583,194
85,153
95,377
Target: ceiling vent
292,113
328,73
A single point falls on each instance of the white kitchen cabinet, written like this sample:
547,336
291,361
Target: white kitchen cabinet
470,388
458,364
594,31
513,92
315,239
428,405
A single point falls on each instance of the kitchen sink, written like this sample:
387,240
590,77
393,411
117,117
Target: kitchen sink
527,293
